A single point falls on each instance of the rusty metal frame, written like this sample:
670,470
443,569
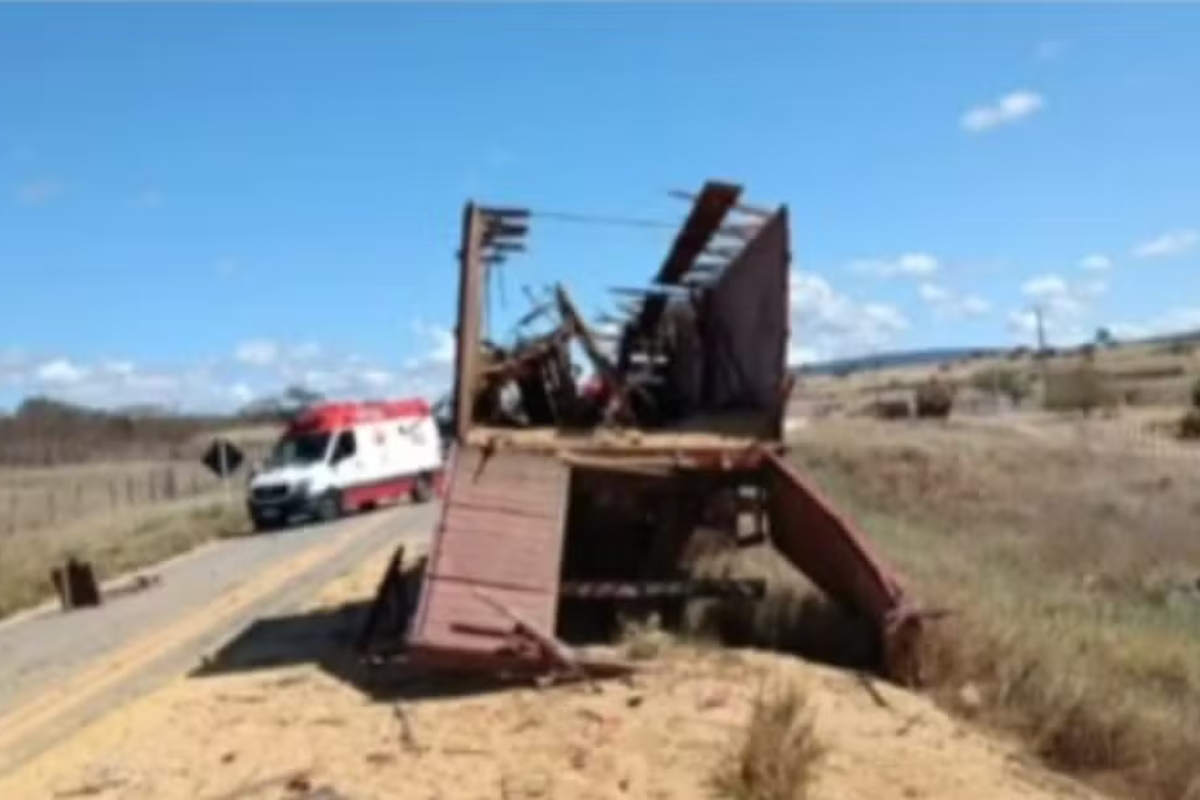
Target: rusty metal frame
470,312
806,528
702,224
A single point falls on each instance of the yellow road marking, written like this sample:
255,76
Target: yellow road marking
87,684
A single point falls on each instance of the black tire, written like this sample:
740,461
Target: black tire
264,525
422,491
329,507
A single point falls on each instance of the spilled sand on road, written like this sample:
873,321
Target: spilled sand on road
288,728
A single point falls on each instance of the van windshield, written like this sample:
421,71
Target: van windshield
299,450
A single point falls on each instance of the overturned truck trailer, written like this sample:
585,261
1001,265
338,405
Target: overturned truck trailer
566,502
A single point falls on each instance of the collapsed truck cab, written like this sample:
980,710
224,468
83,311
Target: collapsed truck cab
341,457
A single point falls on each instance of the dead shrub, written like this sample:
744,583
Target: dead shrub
1189,426
778,753
793,617
1013,383
795,621
1081,388
897,408
642,639
934,399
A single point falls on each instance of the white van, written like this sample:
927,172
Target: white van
342,457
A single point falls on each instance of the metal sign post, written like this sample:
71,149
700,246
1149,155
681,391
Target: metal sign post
223,459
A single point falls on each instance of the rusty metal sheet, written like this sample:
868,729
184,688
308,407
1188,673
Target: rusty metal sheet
708,212
825,546
748,320
500,534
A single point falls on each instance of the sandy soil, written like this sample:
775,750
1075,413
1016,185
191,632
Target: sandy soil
275,724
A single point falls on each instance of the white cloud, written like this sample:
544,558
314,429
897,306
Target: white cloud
377,378
258,352
1008,109
1064,307
827,324
1125,330
910,264
440,342
973,305
1044,286
122,368
932,293
39,191
1096,262
60,371
1055,296
1062,331
224,383
1049,50
1176,320
1173,243
799,355
948,303
13,367
240,393
115,383
307,351
152,383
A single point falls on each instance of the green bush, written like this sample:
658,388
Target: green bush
1196,394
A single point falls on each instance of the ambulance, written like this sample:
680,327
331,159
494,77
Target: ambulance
337,458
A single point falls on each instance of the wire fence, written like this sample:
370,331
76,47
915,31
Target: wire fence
33,500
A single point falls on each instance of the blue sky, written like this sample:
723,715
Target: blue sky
201,203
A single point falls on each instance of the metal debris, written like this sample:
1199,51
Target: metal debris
599,473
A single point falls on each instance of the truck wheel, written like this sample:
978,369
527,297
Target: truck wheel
329,507
264,525
422,490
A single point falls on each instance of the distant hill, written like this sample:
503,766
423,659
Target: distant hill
916,358
907,358
44,432
1190,337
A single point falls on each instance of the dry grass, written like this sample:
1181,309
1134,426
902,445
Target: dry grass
1137,374
116,543
642,640
1189,426
1074,573
792,618
33,498
778,753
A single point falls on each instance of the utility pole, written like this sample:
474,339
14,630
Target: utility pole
1039,313
488,235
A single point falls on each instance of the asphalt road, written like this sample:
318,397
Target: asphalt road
60,671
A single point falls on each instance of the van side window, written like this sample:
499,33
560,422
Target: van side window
413,431
345,447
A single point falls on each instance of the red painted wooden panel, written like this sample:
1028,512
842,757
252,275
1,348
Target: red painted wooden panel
501,533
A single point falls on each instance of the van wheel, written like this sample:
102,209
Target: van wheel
422,489
329,507
265,525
